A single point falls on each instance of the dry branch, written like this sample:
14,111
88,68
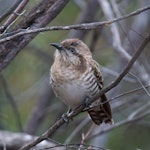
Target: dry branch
13,16
117,42
121,123
38,17
13,141
129,65
10,10
84,26
11,45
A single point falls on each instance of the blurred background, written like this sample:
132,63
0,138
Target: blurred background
27,103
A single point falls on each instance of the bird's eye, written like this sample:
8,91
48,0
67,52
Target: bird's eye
72,50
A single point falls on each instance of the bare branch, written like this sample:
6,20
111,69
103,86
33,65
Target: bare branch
13,17
142,108
121,123
147,92
113,73
86,16
128,92
84,26
10,10
77,129
45,135
85,136
117,42
138,111
13,141
38,17
129,65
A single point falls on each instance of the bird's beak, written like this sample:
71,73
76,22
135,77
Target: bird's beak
56,45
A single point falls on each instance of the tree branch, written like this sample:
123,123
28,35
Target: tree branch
117,43
84,26
129,65
13,16
13,141
10,10
121,123
38,17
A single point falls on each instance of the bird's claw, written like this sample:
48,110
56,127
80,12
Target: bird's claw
86,102
66,115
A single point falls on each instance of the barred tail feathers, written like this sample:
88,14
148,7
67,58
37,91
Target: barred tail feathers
103,113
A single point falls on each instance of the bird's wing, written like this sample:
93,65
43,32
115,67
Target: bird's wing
103,113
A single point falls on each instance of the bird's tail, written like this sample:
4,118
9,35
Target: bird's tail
101,112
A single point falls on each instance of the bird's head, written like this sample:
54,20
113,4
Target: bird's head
72,51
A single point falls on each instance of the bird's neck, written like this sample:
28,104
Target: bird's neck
70,65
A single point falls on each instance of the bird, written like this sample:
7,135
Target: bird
75,78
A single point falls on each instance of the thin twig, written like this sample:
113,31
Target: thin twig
75,146
118,96
113,73
85,136
13,17
128,92
61,121
117,43
120,124
43,13
141,109
85,26
128,66
13,21
147,92
10,10
77,130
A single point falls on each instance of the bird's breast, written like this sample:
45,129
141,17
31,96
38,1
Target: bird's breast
74,94
73,88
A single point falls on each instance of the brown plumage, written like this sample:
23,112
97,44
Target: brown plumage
75,76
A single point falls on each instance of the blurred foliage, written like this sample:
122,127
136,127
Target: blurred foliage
131,137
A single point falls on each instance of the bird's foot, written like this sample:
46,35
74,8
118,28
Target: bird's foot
66,115
86,103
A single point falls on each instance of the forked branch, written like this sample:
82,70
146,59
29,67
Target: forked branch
85,26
